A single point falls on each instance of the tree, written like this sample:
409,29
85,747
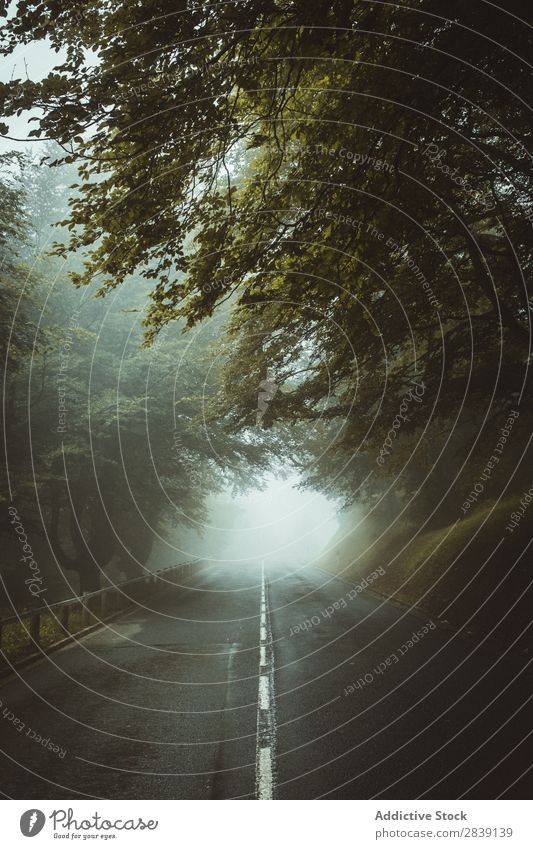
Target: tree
106,444
352,177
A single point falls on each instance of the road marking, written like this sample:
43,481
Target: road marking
265,768
264,692
266,724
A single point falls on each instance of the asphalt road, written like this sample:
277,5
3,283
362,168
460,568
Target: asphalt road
313,691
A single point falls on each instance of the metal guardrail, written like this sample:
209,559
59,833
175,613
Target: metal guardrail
98,604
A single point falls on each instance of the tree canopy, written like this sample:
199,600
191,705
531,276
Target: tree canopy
352,176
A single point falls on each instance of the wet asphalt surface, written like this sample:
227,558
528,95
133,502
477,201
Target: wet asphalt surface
162,702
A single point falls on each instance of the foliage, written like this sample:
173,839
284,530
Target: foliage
352,177
106,446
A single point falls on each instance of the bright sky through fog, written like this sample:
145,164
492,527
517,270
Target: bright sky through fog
35,60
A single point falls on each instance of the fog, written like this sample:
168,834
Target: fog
278,524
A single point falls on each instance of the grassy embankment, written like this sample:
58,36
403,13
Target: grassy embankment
16,642
473,570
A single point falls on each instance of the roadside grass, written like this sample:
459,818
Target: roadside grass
434,565
16,640
470,565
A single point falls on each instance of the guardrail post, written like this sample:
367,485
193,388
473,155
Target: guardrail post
35,627
63,618
85,612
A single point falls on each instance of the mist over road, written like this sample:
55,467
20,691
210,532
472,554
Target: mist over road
305,689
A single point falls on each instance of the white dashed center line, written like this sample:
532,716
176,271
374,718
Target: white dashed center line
266,726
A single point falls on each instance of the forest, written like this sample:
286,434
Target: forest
326,204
